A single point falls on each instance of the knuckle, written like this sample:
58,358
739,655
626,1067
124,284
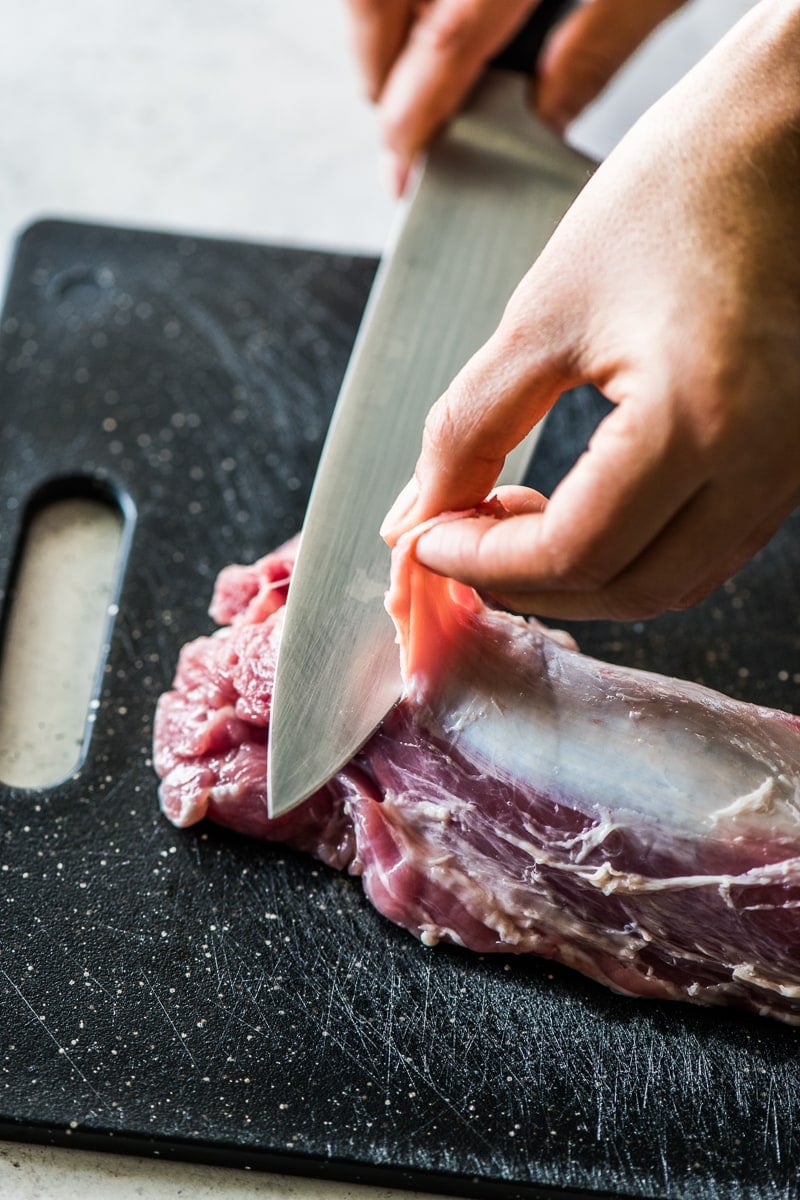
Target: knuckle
580,573
593,65
448,30
450,423
701,591
629,602
625,608
573,567
690,599
457,441
514,331
441,425
446,439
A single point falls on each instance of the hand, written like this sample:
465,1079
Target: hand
673,284
420,59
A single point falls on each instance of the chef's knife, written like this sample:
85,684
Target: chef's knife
494,186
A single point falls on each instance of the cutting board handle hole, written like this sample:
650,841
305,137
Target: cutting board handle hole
56,627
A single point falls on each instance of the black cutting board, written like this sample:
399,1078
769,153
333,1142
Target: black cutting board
197,995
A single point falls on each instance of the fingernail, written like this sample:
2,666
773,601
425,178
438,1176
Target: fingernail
561,118
401,508
429,545
402,173
557,114
394,173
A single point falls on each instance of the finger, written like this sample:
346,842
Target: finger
447,48
755,539
614,502
493,402
587,49
706,545
708,540
378,29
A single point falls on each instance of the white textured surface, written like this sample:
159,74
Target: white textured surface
47,1173
240,119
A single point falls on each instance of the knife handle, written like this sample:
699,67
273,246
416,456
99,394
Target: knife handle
522,51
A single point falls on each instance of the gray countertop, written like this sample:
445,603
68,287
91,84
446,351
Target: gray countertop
240,120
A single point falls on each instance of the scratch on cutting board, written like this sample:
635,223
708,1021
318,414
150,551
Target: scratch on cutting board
53,1038
338,999
225,975
473,1031
341,1013
160,1003
390,1047
426,1001
779,1129
253,994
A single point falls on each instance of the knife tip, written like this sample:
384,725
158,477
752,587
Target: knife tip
282,793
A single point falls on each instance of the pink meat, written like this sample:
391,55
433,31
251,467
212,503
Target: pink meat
522,798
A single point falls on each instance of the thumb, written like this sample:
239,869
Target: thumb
494,401
587,49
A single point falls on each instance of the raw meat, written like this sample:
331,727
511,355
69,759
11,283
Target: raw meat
522,798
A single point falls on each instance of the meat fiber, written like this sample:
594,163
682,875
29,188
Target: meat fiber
522,798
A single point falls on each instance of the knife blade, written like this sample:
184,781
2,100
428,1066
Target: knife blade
494,186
